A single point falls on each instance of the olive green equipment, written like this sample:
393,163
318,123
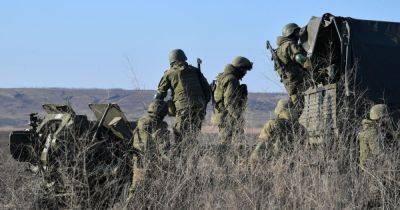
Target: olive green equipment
57,138
290,29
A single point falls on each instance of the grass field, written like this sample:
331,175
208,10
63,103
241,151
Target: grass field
307,177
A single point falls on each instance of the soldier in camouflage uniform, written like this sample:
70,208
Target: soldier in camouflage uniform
190,93
279,134
294,62
230,100
378,155
151,137
375,138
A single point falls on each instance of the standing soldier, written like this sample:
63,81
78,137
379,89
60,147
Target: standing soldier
293,63
190,94
230,98
379,156
151,137
279,134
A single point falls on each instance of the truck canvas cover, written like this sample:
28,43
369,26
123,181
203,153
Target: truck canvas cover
373,56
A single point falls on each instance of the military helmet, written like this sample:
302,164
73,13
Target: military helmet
282,105
177,55
158,107
378,111
289,29
242,62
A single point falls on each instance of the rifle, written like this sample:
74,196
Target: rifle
201,78
199,62
274,56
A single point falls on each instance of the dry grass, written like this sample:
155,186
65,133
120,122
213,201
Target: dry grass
311,177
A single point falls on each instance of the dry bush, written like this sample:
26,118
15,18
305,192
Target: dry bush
309,177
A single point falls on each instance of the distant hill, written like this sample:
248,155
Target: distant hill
17,103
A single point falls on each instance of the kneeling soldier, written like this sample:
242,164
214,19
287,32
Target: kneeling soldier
279,134
151,137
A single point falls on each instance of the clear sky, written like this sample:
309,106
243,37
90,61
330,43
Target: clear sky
125,43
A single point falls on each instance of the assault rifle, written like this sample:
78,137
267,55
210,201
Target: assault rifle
274,56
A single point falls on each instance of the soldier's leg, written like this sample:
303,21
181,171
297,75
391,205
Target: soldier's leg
226,130
183,131
177,131
137,178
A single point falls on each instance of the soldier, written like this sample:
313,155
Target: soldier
279,134
294,62
190,94
378,156
151,137
375,138
230,100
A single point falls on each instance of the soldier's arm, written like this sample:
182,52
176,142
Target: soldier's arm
163,86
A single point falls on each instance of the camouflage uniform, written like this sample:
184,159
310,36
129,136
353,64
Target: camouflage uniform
279,134
230,100
190,93
378,149
151,137
293,59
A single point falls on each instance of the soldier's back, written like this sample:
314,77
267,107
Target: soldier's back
186,85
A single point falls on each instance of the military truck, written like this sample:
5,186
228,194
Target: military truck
355,64
65,147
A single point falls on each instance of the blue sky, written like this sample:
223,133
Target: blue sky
125,44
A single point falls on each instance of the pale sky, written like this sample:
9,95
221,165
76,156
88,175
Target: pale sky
125,43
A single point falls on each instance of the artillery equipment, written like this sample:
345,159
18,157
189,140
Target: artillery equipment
90,151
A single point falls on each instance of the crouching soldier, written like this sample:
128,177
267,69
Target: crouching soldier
375,137
151,137
280,134
378,155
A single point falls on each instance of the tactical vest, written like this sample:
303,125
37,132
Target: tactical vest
188,89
